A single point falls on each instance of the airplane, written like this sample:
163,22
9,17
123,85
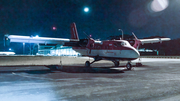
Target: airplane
112,50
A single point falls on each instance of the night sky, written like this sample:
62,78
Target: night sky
105,17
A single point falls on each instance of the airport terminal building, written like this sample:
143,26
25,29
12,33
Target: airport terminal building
58,51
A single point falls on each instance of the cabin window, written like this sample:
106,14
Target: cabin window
118,44
123,44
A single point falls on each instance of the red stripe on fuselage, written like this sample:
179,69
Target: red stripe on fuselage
113,58
98,48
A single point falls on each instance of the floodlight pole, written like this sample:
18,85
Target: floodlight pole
122,33
23,48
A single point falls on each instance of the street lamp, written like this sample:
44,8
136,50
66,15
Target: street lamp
86,9
122,33
23,48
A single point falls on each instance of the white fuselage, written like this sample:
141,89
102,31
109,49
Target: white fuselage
127,52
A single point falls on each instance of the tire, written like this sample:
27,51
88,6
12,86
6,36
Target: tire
128,66
87,64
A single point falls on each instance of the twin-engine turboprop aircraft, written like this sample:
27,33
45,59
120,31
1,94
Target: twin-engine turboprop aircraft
112,50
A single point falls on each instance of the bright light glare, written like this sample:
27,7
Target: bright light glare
159,5
86,9
9,48
7,53
36,36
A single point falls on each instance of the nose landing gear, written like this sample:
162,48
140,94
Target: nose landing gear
128,66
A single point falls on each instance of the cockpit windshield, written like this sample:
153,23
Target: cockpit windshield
123,43
120,44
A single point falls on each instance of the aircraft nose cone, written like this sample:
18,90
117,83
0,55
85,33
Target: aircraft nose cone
135,54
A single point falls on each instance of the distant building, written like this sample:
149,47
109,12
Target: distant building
57,51
146,52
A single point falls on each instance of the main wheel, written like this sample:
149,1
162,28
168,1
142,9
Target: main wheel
128,66
87,64
116,63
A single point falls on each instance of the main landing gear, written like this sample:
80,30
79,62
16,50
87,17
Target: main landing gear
116,63
97,58
87,64
128,65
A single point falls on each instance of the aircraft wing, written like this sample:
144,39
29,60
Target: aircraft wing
44,40
154,40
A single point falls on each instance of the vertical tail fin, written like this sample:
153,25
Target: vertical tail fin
137,42
74,33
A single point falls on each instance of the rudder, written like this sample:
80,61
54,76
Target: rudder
137,42
74,33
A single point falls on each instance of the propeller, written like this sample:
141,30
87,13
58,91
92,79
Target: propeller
86,35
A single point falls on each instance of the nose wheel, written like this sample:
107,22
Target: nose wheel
128,66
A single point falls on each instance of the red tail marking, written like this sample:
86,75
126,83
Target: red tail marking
74,33
137,42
